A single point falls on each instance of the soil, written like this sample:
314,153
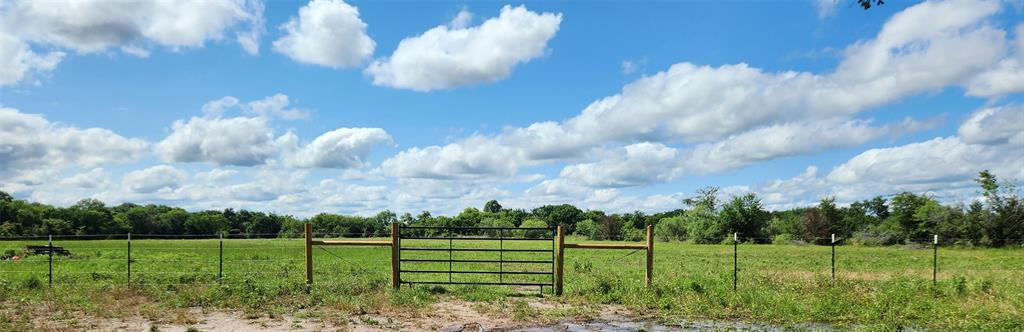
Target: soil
449,316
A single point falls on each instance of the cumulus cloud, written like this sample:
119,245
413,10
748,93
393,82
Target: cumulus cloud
238,141
340,148
328,33
30,142
97,26
1005,78
733,115
18,61
94,178
275,106
474,157
995,125
455,55
633,165
154,178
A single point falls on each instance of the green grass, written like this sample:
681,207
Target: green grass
787,285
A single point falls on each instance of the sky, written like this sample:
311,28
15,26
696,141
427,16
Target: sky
355,107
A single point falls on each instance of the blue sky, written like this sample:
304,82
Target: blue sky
616,106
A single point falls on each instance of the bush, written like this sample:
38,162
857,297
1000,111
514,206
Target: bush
886,233
586,228
534,223
669,229
633,234
784,239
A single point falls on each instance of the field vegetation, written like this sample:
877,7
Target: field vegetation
883,261
785,285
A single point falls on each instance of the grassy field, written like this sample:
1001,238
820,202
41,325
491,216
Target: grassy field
786,285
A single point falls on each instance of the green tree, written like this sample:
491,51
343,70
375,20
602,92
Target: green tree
745,215
1005,221
492,206
565,215
904,205
703,225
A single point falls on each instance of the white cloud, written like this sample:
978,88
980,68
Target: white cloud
18,61
633,165
947,159
995,125
474,157
217,107
95,178
454,55
93,26
826,7
790,139
160,177
1005,78
215,175
96,25
275,106
721,109
327,33
238,141
30,142
340,148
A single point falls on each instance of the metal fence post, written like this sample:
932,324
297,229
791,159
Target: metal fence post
129,258
220,267
833,258
935,260
50,250
735,259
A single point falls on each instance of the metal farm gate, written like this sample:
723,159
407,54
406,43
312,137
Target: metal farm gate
476,256
451,255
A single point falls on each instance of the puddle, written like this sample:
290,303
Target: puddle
631,326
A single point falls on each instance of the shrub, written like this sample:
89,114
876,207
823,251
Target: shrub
534,223
784,239
586,228
669,229
633,234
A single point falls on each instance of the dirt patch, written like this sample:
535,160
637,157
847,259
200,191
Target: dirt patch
448,315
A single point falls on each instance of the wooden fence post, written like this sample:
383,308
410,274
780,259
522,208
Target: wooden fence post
650,255
396,276
309,254
559,260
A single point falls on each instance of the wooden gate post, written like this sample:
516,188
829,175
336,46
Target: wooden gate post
559,259
395,266
309,253
650,255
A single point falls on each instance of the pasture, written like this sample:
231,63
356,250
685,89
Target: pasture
783,285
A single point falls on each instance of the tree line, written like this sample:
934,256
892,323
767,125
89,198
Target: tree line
996,219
